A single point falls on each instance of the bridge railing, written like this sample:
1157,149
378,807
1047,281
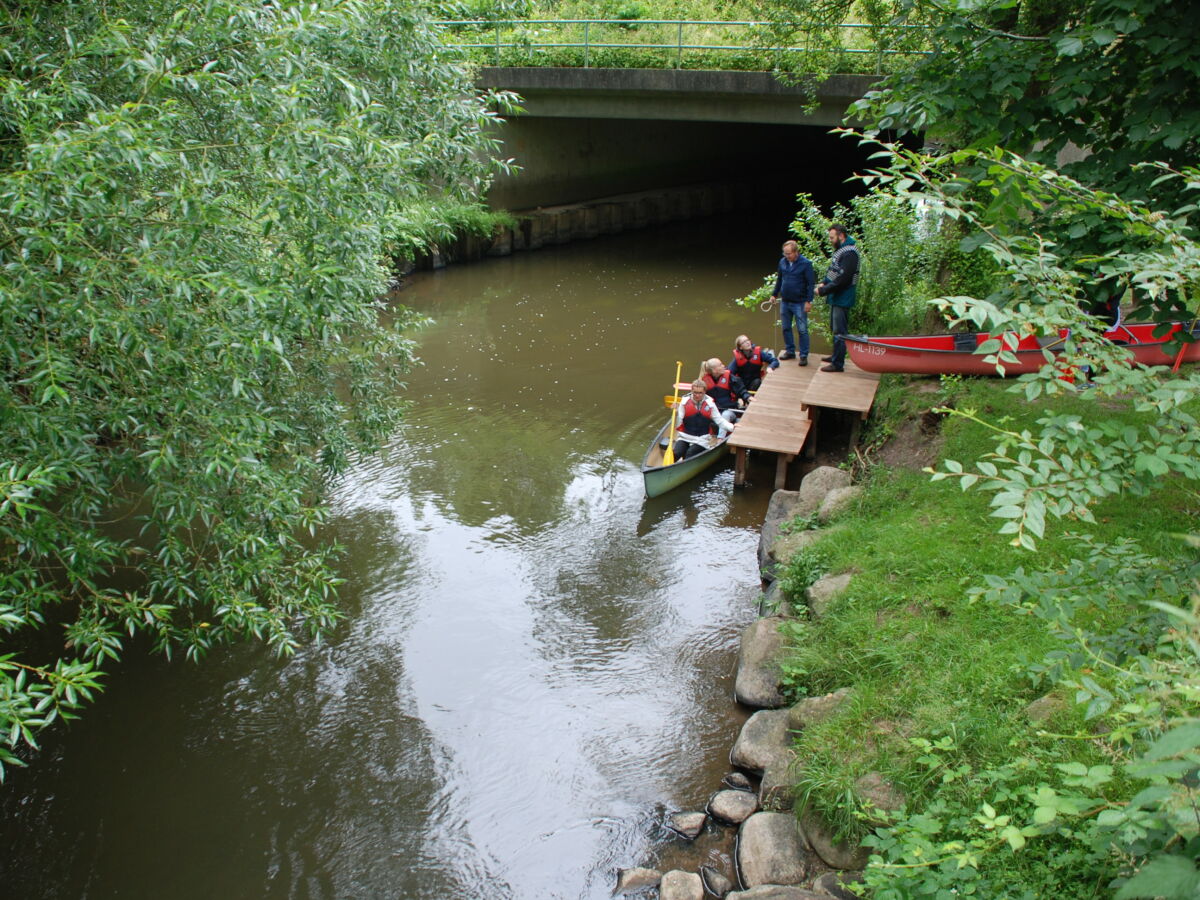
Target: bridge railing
660,43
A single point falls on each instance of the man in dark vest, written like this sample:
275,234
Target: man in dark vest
839,287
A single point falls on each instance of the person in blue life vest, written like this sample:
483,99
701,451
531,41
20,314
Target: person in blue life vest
751,362
701,424
724,387
794,289
839,287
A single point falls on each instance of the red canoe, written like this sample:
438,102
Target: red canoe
954,354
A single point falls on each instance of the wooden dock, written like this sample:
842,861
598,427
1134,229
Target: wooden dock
785,411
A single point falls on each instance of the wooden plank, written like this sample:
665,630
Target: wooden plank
852,389
771,440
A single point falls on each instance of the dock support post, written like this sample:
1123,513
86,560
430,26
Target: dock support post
810,448
739,467
781,464
854,431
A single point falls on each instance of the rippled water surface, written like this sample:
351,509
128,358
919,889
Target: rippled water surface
536,664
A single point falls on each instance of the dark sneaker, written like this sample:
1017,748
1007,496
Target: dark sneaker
804,360
787,354
832,369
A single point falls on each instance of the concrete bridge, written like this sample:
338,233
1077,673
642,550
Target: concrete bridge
588,133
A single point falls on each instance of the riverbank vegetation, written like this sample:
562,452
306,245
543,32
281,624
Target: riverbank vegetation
1039,706
966,685
198,204
910,254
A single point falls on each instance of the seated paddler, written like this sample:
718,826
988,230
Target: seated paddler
725,388
751,362
701,424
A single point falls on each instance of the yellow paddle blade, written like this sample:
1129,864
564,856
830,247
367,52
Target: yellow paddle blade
669,401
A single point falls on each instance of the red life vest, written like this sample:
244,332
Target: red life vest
697,420
721,390
748,367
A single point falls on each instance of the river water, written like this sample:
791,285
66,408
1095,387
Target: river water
536,664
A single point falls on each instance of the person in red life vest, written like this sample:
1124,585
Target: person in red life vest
701,424
724,387
751,362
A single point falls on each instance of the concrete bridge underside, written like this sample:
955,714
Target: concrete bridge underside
588,133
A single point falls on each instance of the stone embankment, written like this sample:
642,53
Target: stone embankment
553,225
782,853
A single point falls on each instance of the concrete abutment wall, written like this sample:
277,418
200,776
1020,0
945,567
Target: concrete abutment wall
553,225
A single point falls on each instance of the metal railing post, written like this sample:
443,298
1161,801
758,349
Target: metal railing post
679,47
586,47
497,44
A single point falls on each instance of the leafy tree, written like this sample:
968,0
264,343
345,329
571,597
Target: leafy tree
195,203
1116,78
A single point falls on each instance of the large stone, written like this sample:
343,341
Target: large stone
814,710
787,545
777,789
757,682
636,879
775,892
715,882
822,592
770,850
780,509
688,825
776,603
1043,709
680,885
837,500
763,739
837,854
875,792
732,807
816,487
834,884
737,781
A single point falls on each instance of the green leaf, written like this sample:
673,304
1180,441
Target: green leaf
1069,46
1170,877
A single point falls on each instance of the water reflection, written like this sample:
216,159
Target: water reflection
536,660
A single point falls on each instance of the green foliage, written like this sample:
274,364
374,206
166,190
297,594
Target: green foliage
423,226
906,252
1139,684
1064,465
196,202
645,34
802,571
941,672
811,522
1114,76
889,38
1109,802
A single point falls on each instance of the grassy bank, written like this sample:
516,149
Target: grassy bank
942,675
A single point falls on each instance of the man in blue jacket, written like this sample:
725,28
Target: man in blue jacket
839,287
794,287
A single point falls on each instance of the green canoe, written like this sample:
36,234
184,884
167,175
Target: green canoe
660,479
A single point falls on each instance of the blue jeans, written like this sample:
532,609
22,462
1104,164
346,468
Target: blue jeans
839,324
789,312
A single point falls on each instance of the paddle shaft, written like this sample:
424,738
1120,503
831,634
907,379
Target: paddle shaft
669,453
